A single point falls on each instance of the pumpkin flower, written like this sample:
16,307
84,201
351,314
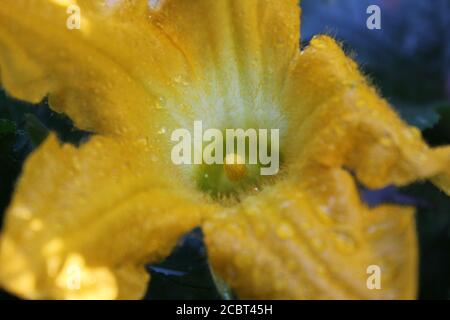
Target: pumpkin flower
85,220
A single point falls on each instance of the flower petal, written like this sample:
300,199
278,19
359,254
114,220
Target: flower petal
340,121
108,76
288,243
83,222
442,180
239,51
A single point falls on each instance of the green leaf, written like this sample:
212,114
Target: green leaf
424,116
7,127
36,130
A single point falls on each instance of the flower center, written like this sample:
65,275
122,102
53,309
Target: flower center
234,167
244,168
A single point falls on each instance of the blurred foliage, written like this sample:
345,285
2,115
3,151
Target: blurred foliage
408,60
433,222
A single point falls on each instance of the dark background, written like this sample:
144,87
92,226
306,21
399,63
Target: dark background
408,60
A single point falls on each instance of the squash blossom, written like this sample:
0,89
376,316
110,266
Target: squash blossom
84,221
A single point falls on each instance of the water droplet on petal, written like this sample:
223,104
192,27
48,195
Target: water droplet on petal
76,164
21,212
36,225
344,242
318,244
179,79
316,42
286,204
143,142
155,4
161,103
285,231
385,141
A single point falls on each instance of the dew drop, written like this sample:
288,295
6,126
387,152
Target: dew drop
36,225
76,164
143,142
161,103
286,204
344,242
325,210
305,226
155,4
163,130
179,79
285,231
22,212
315,41
318,244
279,286
385,141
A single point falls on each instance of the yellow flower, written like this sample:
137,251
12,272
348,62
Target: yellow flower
84,221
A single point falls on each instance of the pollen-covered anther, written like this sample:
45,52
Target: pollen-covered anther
234,167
